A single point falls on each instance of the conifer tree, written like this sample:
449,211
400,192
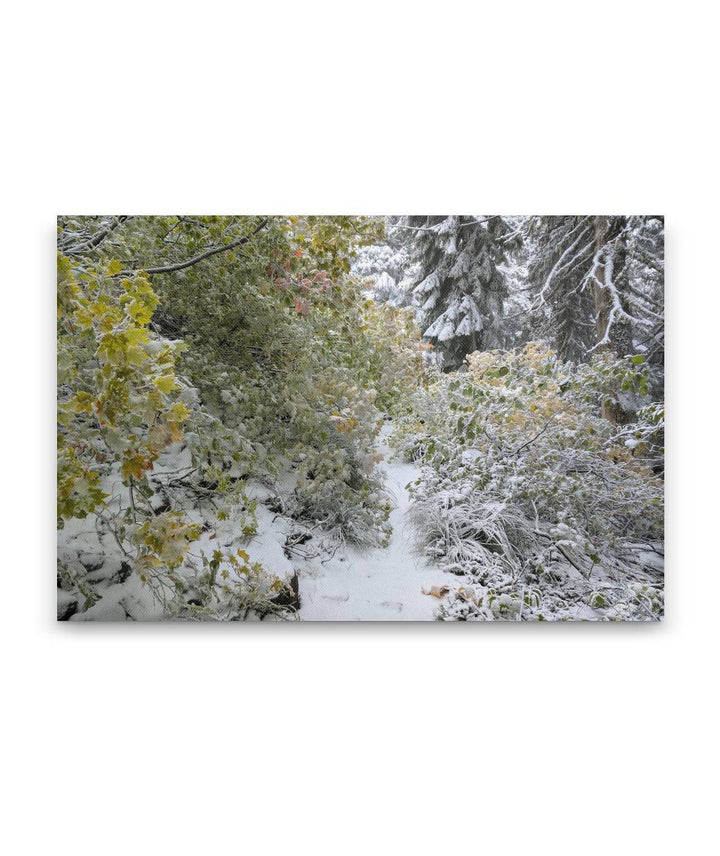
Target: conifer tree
599,282
564,310
455,282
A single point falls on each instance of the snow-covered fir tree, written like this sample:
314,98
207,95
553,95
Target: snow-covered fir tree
562,250
455,282
383,265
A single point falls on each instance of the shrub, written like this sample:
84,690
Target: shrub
526,484
263,360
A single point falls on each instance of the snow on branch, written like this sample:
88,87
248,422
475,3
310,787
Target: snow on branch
90,242
558,266
607,284
436,230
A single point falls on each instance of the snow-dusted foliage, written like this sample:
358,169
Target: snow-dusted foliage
227,388
543,507
190,378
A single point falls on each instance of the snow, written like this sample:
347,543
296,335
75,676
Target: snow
336,583
378,585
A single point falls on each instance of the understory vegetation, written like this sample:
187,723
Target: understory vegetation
261,358
222,382
541,505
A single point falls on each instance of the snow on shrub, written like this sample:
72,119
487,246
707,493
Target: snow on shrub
122,407
531,494
180,384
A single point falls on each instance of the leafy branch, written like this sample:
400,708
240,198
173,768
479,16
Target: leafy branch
238,242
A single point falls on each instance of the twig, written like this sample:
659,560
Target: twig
533,439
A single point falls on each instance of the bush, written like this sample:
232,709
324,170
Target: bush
259,362
526,486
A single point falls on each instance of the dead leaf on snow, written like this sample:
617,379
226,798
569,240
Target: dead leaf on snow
436,591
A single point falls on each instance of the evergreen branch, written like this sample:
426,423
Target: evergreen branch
432,228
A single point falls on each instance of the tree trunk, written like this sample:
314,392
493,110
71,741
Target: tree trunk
619,340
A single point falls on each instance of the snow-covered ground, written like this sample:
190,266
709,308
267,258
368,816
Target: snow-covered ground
376,585
335,582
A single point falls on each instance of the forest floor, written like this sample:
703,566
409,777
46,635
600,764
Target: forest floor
383,584
336,581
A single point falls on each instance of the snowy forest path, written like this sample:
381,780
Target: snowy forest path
382,584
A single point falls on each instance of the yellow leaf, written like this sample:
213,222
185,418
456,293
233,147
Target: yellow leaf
83,402
135,355
178,412
165,383
136,335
